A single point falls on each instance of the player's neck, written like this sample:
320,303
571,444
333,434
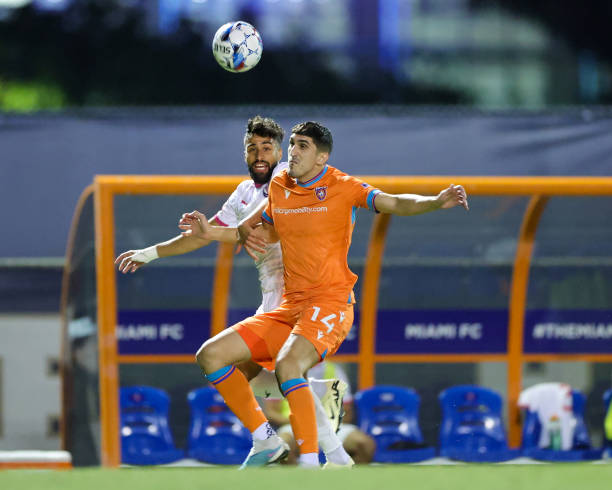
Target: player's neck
308,180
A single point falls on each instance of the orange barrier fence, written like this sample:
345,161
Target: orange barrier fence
539,188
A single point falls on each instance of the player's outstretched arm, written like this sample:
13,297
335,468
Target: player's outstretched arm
195,225
132,260
409,204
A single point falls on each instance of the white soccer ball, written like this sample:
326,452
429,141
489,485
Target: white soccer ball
237,46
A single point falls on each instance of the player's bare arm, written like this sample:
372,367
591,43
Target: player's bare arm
410,204
132,260
196,226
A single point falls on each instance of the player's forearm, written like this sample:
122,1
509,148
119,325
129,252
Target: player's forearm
223,234
180,245
407,204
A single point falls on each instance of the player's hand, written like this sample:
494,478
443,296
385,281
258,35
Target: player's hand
453,196
195,225
126,262
255,243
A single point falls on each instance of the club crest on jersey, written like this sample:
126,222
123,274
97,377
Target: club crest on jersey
321,192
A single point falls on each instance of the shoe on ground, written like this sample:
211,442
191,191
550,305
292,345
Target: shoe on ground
336,466
272,450
332,401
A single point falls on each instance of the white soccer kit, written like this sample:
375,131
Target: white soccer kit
242,202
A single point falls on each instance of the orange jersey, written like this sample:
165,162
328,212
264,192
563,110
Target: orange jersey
314,222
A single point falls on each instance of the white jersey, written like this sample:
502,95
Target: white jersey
243,201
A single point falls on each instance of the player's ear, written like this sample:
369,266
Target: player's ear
322,157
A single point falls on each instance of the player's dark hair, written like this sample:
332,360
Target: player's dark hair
265,127
321,136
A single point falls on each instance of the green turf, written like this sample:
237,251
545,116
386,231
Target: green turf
576,476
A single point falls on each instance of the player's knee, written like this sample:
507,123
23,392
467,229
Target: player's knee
206,356
286,369
366,447
279,371
360,446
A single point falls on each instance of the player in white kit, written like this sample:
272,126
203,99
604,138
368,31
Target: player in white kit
263,152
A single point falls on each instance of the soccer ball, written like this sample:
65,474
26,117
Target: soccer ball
237,46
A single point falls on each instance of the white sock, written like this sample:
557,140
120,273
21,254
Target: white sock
328,440
338,456
318,386
263,432
309,459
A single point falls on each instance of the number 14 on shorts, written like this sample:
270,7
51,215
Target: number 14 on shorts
326,320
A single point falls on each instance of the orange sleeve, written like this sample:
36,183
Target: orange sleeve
267,213
363,194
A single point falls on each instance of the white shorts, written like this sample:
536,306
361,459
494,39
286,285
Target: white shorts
344,431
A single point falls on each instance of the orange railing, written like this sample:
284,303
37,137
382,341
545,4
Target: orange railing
106,187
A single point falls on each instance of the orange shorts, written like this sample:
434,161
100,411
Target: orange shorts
324,323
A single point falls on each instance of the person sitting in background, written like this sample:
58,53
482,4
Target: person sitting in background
359,445
553,404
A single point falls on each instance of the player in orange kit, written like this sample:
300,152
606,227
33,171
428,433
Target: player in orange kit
311,210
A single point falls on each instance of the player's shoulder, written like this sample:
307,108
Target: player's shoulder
245,187
280,166
338,176
280,175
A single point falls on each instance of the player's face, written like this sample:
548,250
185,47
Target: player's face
261,154
305,162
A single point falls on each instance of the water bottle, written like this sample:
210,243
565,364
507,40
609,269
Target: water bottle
554,433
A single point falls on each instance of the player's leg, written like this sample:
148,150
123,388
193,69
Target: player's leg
250,370
217,358
328,403
295,358
286,435
330,390
321,328
223,349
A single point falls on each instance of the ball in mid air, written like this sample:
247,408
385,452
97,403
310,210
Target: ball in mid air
237,46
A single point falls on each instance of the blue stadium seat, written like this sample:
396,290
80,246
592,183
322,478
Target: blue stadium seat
607,398
472,428
581,447
216,435
145,435
390,414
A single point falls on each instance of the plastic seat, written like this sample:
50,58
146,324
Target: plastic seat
216,435
145,435
581,445
390,415
607,398
472,428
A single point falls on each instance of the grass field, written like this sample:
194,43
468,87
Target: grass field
578,476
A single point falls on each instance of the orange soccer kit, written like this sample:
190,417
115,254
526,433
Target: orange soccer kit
314,222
